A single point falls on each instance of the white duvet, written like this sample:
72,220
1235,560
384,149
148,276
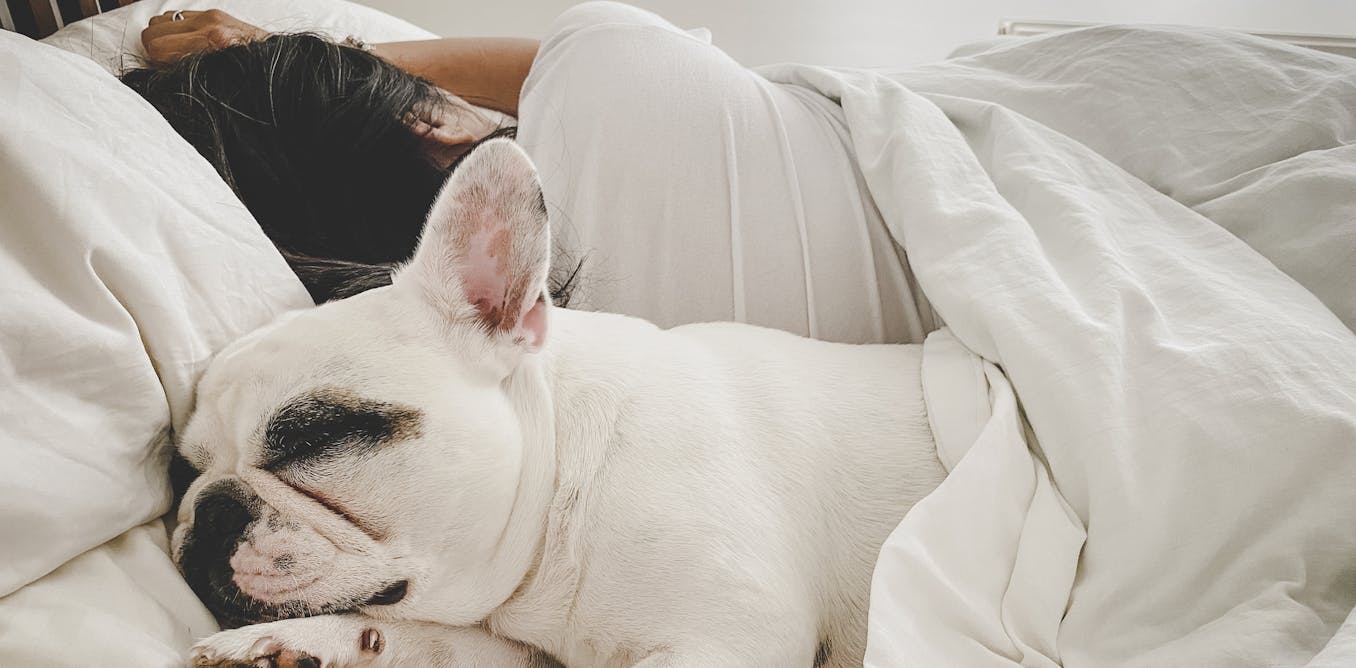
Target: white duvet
1174,481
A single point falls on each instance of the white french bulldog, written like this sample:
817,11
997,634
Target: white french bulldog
448,472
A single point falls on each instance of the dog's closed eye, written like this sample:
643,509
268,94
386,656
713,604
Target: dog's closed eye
326,423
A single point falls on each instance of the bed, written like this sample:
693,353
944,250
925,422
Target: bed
1145,392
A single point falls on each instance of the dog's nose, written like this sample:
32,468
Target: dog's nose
220,515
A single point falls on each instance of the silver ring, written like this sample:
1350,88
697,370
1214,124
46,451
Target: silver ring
178,15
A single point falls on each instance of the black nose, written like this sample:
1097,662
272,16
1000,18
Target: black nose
221,514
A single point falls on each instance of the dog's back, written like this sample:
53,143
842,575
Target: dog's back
737,483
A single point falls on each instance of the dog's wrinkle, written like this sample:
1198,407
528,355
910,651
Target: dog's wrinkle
531,573
569,504
553,545
339,511
528,577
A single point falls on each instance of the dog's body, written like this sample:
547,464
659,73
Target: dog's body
722,493
615,494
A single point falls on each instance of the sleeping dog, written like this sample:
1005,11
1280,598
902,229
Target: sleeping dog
448,472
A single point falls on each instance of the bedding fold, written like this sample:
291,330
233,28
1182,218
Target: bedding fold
993,593
1195,405
125,263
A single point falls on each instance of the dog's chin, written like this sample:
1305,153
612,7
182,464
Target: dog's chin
234,609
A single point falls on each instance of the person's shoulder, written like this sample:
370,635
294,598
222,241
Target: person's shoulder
605,41
600,13
602,21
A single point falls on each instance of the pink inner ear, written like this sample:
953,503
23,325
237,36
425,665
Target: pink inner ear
484,274
486,245
503,304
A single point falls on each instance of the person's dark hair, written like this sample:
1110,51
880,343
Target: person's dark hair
312,136
306,131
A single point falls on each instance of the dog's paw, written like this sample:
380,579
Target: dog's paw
312,642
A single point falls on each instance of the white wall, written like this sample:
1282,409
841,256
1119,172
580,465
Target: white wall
876,32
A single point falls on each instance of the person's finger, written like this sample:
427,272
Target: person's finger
168,17
451,136
157,30
418,127
437,132
152,35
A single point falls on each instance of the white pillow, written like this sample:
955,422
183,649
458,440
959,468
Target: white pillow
125,264
113,39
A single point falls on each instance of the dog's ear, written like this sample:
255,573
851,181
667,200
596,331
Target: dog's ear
485,250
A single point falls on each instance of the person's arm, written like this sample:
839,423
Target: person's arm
488,71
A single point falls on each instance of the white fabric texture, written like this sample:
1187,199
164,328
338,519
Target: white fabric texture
125,263
991,553
1067,204
696,190
120,604
1256,135
1340,652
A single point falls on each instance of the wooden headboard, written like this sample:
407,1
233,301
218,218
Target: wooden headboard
40,18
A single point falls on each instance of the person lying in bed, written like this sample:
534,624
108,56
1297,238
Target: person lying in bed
696,189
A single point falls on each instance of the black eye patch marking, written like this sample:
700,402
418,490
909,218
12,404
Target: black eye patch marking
331,422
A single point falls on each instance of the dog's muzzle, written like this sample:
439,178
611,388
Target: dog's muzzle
221,515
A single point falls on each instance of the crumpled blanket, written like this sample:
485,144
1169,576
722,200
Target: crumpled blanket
1143,243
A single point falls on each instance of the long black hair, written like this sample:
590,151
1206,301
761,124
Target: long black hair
313,138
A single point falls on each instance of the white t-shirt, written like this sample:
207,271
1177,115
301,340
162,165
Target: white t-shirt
697,190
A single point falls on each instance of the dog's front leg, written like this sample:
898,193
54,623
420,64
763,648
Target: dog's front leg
357,641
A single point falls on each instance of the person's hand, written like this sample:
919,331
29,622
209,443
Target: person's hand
167,39
449,129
